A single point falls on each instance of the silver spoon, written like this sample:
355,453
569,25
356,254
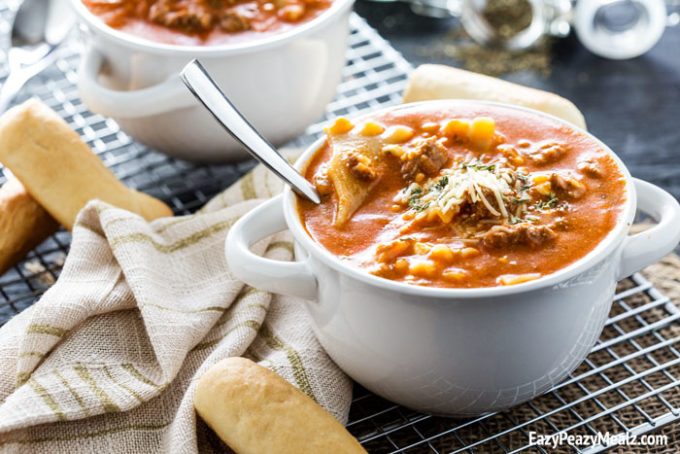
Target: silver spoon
40,26
196,78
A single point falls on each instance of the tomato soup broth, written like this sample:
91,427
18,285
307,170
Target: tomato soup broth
465,197
205,22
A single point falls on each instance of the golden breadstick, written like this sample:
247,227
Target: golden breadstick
24,224
443,82
59,170
256,411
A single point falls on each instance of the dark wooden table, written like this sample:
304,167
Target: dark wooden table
633,106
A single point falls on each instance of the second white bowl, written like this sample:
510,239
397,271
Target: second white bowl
281,83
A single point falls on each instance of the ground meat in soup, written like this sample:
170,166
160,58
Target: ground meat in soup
427,158
205,22
506,236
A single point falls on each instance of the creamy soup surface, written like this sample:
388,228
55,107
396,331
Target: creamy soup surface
473,196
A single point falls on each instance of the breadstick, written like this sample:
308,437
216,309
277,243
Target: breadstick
59,170
24,224
443,82
255,411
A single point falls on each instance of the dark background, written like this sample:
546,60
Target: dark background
633,105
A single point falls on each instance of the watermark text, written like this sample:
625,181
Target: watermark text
600,438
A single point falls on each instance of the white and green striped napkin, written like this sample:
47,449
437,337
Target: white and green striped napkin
108,359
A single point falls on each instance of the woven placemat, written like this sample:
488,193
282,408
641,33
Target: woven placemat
665,275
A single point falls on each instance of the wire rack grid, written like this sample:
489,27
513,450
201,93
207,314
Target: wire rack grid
375,76
630,383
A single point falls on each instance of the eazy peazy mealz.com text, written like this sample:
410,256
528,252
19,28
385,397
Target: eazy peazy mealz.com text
599,438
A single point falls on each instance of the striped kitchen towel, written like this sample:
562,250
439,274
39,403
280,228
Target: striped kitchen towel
108,359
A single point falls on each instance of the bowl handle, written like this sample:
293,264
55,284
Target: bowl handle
647,247
286,278
164,97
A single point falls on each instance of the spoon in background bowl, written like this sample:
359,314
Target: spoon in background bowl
199,82
39,28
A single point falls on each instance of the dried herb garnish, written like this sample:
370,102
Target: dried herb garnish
441,184
416,206
550,203
413,200
514,219
479,165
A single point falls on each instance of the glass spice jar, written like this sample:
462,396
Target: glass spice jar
616,29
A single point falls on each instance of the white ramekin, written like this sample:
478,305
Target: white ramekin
454,351
281,83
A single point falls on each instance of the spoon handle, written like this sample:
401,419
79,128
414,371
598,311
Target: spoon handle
196,78
20,74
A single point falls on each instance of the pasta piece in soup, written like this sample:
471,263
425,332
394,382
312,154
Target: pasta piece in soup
353,167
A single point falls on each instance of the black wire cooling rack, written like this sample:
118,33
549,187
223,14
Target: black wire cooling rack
630,383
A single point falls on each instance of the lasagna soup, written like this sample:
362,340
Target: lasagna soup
472,196
204,22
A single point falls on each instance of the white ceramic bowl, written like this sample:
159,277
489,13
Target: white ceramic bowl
454,351
281,83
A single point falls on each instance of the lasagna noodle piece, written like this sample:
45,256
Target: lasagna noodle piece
351,190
